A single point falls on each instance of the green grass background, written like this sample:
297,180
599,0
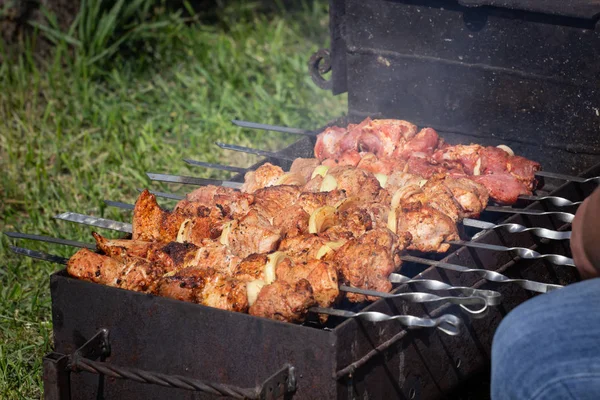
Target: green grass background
129,88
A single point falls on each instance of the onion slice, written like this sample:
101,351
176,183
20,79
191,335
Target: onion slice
321,219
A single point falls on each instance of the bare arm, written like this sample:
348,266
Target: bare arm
585,239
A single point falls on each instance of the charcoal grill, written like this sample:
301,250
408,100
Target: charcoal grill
460,67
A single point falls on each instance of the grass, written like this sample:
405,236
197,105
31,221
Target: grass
76,130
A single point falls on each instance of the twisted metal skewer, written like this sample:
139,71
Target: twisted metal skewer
522,252
554,200
518,228
447,323
424,298
491,276
492,297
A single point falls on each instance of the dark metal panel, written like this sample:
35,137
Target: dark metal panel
337,31
574,8
499,40
173,337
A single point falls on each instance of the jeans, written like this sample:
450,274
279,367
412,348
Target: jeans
549,347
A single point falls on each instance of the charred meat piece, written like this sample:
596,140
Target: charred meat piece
223,292
94,267
283,301
171,256
213,254
272,200
439,196
311,201
205,286
472,196
292,221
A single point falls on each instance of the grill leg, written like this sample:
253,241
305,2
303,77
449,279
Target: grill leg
56,377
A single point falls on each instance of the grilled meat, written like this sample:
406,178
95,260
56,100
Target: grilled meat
253,233
284,301
322,276
131,273
428,227
151,223
263,177
364,266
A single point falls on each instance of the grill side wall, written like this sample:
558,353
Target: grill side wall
173,337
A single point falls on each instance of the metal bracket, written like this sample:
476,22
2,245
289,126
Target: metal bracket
318,65
278,384
97,346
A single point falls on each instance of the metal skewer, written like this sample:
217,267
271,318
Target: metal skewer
190,180
492,276
267,127
422,298
262,153
49,239
522,252
492,297
561,216
518,228
447,323
164,195
222,167
296,131
95,221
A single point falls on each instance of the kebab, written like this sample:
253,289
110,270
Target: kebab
382,146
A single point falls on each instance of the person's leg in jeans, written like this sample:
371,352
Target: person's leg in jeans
549,347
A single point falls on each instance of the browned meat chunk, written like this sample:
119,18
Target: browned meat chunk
93,267
303,247
283,301
251,268
429,228
356,182
322,276
253,233
151,223
365,266
292,221
264,176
